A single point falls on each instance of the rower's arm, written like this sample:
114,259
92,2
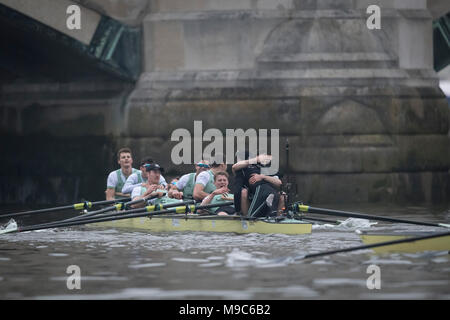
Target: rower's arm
128,187
199,194
146,196
110,194
140,204
131,183
207,199
120,194
240,165
136,195
245,163
273,181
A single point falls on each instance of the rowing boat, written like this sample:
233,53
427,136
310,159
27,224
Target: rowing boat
194,222
434,244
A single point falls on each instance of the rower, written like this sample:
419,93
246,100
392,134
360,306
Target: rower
116,179
140,176
186,183
204,183
151,189
262,188
221,194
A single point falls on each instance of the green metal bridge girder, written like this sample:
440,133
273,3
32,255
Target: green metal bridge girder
115,48
441,42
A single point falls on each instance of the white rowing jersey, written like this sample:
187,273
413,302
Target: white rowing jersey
136,179
206,179
183,181
116,180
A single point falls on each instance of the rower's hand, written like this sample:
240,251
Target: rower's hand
255,178
264,159
221,190
177,195
160,194
151,188
226,196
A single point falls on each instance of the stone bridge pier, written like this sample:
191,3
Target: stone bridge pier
360,107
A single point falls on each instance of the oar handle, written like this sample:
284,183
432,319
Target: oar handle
124,206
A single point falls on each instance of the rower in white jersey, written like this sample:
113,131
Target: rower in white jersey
139,177
204,183
185,185
151,189
220,195
116,179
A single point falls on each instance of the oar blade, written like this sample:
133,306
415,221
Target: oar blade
10,227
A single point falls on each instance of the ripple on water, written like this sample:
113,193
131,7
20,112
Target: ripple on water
387,261
147,265
396,296
154,293
214,259
57,254
350,224
190,260
93,278
240,259
294,291
210,264
322,262
328,282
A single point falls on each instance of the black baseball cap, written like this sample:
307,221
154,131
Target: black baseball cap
153,166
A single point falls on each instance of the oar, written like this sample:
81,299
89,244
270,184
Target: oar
135,213
305,208
150,208
181,207
76,206
122,206
373,245
117,207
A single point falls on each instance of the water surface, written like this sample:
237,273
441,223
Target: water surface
132,265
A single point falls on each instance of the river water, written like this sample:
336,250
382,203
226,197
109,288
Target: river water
131,265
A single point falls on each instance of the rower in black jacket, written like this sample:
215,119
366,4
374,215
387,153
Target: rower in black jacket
262,189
